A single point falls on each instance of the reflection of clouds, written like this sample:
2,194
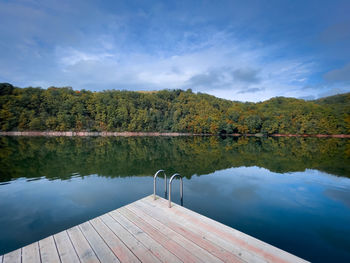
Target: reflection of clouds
228,184
245,193
337,194
98,189
205,187
251,186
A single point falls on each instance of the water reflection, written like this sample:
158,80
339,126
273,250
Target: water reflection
280,190
119,157
293,210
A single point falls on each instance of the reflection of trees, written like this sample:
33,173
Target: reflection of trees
60,157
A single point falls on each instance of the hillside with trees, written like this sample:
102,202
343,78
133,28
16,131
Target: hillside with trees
65,109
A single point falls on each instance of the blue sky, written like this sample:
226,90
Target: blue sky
239,50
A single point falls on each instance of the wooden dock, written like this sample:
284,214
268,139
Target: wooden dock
149,231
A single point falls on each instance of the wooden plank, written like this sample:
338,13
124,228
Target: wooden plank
169,244
13,257
30,253
181,240
65,248
115,244
201,238
136,246
158,250
251,243
234,248
48,250
81,246
268,252
101,249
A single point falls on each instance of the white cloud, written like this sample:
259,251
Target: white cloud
225,68
70,57
224,50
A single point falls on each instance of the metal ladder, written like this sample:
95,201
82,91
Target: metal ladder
170,181
155,183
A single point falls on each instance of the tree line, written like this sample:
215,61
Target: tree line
65,109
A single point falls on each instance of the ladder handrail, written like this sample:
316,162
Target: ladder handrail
154,183
181,187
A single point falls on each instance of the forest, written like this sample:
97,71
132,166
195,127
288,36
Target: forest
65,109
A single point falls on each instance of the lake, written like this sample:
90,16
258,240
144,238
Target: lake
293,193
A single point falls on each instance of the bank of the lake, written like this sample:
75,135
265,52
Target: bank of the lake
172,134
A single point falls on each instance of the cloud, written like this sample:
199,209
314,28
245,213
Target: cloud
143,46
321,90
205,79
310,97
250,90
339,75
338,195
69,57
215,68
337,33
332,90
246,75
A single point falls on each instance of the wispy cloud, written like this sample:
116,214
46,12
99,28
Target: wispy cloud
250,90
339,75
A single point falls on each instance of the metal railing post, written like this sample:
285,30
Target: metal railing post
181,188
155,183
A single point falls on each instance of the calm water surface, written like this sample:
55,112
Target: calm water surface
293,193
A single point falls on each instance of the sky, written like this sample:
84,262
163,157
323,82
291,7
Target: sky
239,50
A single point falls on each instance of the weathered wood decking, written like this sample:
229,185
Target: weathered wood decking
148,231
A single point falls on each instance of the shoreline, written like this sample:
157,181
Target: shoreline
167,134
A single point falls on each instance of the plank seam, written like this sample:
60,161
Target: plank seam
88,242
72,245
120,239
39,252
54,241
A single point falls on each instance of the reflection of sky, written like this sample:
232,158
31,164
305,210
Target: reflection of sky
303,212
306,213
